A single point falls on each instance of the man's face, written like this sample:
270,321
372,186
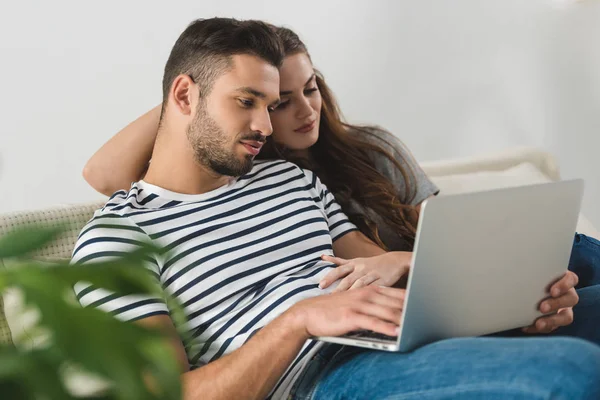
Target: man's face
232,123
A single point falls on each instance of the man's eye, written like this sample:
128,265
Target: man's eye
246,103
282,105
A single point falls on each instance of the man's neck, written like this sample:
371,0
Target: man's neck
174,168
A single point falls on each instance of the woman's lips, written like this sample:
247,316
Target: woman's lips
306,128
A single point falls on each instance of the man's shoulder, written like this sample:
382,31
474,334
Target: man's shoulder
122,205
260,165
112,229
281,171
272,167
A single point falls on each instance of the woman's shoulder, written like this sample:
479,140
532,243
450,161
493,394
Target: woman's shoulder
384,139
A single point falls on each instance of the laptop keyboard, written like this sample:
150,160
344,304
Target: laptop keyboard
364,334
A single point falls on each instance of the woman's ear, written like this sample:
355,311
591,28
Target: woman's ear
184,94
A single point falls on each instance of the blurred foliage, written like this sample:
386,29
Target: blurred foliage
126,355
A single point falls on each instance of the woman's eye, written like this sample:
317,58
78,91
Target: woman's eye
310,91
246,103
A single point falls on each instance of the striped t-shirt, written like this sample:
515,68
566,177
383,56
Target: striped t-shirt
237,257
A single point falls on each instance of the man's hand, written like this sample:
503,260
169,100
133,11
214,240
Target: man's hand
373,308
384,270
563,298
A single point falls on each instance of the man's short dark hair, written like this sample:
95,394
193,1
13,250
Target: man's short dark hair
204,50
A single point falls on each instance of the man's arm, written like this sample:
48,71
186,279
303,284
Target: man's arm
251,371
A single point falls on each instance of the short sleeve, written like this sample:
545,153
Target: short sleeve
338,222
421,186
106,237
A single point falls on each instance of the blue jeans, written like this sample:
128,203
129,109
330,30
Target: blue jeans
508,365
585,260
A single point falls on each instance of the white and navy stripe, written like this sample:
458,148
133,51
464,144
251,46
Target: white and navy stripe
237,256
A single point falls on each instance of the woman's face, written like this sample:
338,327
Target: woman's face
296,120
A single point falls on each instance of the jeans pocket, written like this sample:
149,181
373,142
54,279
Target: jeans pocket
306,382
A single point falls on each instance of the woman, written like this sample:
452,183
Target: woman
374,178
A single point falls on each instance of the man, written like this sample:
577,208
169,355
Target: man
245,241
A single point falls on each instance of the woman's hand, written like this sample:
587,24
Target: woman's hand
384,270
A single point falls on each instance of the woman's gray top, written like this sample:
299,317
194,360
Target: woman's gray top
423,185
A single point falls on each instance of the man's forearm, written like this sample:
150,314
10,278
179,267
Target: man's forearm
251,371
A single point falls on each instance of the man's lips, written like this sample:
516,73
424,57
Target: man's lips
306,128
252,146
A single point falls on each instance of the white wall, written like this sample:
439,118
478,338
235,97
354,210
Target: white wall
450,78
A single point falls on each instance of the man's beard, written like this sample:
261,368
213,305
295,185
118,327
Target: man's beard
210,145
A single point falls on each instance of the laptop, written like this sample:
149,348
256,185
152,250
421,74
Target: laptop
482,262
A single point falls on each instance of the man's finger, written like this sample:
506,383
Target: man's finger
568,299
335,260
335,274
530,330
549,323
392,292
564,284
375,324
387,301
387,314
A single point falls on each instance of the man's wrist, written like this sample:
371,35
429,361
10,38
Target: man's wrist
293,321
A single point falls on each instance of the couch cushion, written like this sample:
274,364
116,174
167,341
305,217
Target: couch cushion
522,174
15,320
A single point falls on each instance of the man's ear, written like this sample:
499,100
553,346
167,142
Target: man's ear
184,94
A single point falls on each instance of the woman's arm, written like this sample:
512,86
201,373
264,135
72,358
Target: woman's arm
124,158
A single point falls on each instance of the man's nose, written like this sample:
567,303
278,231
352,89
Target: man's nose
261,122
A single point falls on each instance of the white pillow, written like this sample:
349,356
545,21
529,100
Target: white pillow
523,174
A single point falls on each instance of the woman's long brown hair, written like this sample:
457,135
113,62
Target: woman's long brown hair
340,158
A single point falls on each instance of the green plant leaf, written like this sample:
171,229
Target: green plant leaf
123,276
121,352
126,354
31,375
23,241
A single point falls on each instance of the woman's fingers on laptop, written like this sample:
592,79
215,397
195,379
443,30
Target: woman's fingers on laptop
564,284
388,268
